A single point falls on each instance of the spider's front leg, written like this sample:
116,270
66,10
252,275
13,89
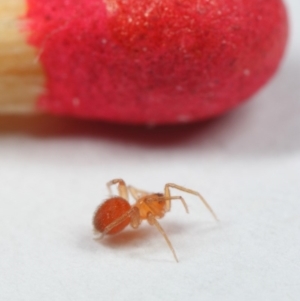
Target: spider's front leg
153,221
196,193
168,198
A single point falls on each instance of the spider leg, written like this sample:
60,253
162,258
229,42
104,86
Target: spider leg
172,185
167,200
153,221
122,189
171,197
136,193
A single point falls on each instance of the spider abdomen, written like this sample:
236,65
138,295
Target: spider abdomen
108,212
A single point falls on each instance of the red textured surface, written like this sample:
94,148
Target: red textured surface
155,61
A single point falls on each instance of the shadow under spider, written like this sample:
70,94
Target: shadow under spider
130,237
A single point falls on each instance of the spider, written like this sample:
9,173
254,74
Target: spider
116,213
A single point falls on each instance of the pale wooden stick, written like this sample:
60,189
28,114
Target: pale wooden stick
21,76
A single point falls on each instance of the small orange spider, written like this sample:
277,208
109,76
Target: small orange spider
116,213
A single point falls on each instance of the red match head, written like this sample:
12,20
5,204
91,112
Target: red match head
148,61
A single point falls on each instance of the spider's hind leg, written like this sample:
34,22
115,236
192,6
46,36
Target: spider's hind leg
137,193
122,189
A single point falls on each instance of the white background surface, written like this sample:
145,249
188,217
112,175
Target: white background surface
247,164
